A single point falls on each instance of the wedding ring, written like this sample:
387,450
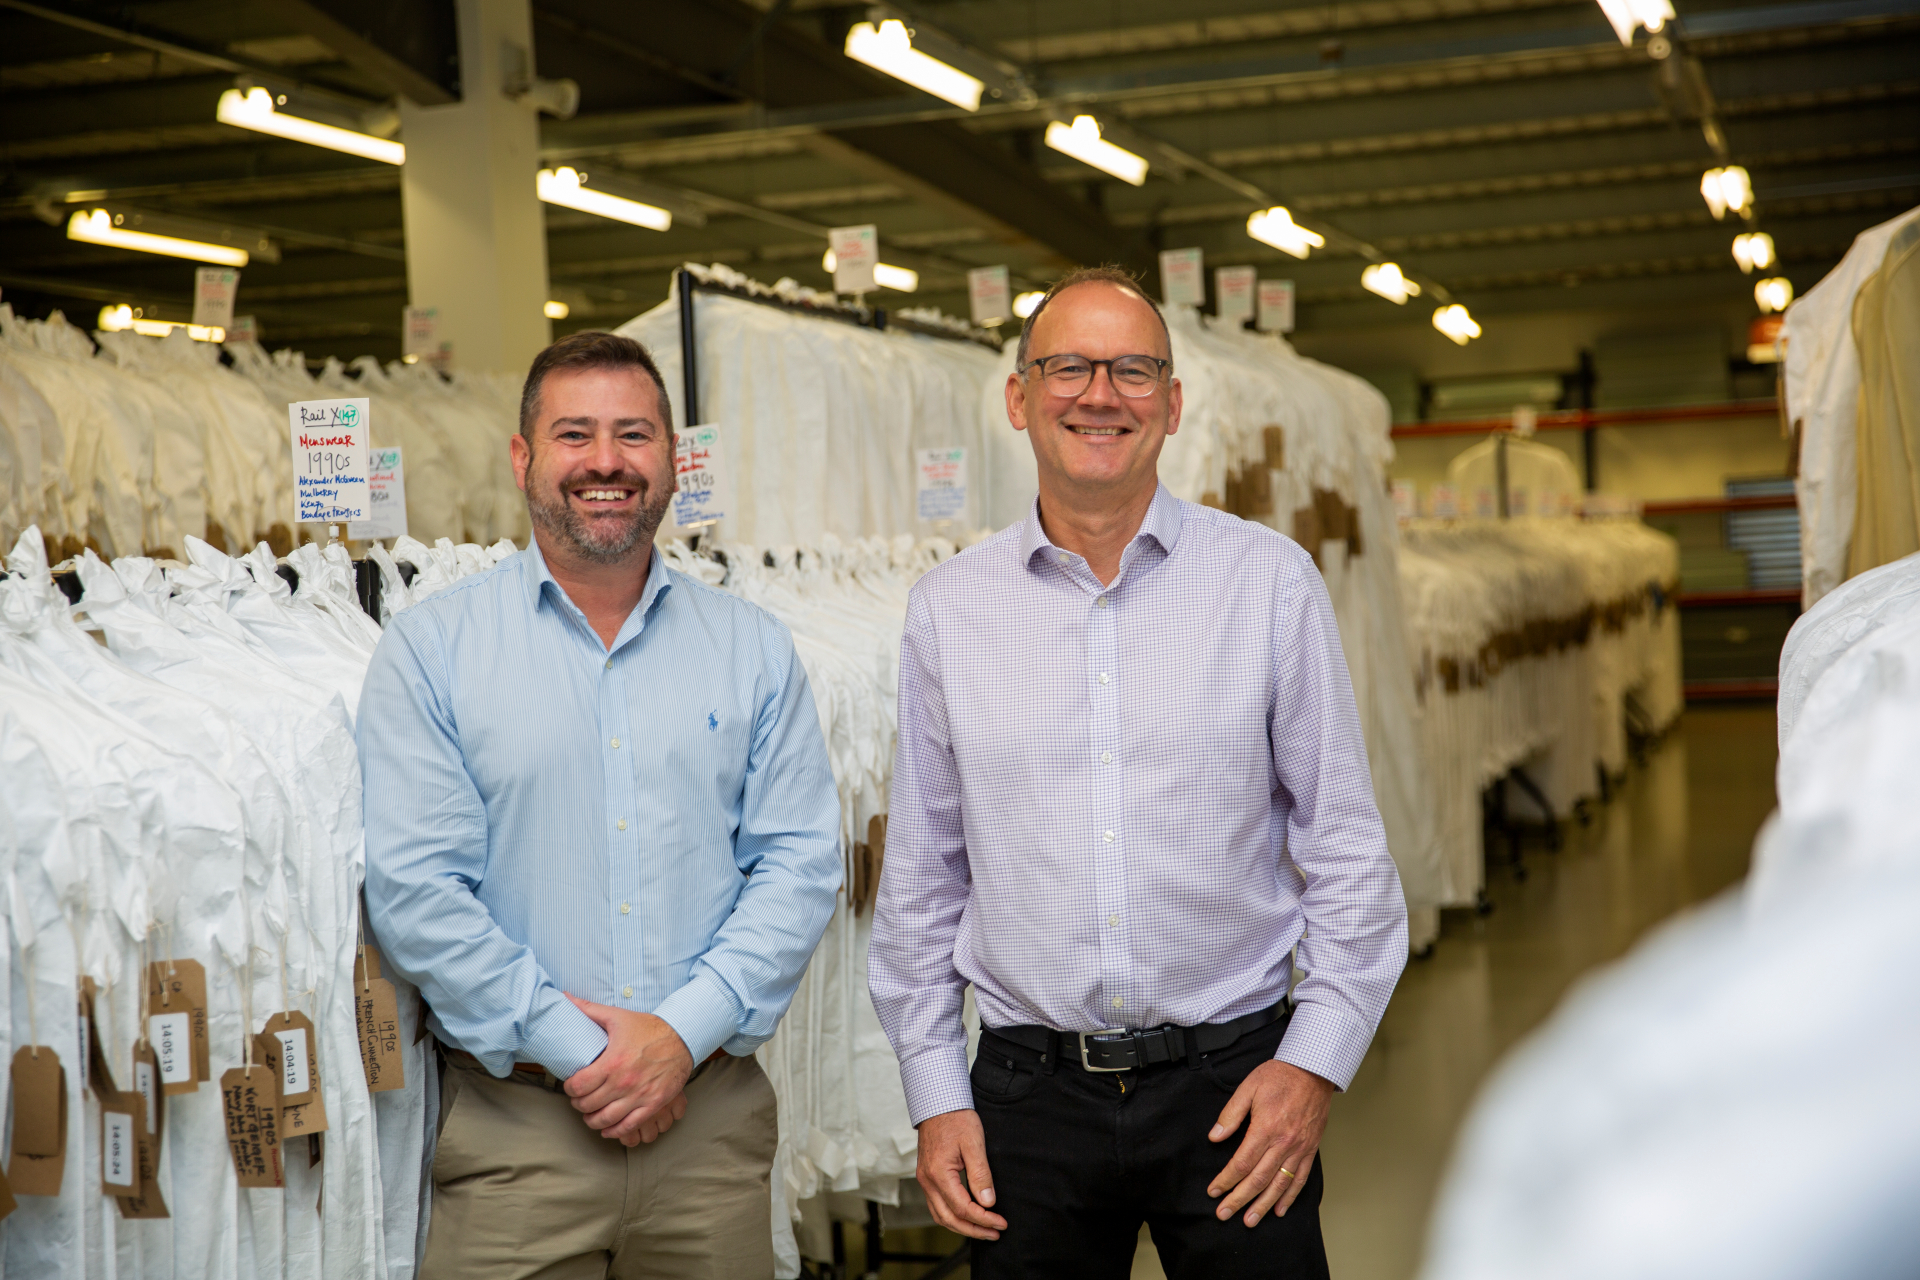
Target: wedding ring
1286,1173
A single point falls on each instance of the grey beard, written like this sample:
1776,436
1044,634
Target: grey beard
567,526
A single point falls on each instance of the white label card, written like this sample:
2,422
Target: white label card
700,467
1233,292
121,1151
213,293
386,497
1406,504
990,294
943,483
293,1060
1181,283
421,327
330,462
171,1035
856,251
1276,306
1444,502
149,1089
1483,505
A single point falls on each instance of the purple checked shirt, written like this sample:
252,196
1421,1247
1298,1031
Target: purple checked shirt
1126,806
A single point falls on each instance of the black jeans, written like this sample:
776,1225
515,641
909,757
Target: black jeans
1079,1162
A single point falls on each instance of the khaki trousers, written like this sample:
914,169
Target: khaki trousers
523,1190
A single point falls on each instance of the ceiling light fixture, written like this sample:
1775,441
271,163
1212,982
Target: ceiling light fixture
1276,227
97,226
1456,323
256,109
903,279
557,310
1625,15
1754,249
1026,303
1773,293
116,319
889,49
1725,189
1083,142
567,187
1384,278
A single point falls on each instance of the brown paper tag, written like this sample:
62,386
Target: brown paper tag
146,1083
146,1202
99,1071
297,1119
252,1105
379,1018
293,1036
7,1203
39,1159
176,987
121,1119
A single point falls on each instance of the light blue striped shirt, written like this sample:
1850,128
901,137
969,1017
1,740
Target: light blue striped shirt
652,826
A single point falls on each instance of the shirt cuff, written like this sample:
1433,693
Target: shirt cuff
936,1082
1325,1041
703,1014
560,1038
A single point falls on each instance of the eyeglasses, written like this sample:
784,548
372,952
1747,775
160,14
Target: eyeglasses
1069,375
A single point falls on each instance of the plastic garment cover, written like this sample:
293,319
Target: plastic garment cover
1886,334
1823,402
1541,480
1824,634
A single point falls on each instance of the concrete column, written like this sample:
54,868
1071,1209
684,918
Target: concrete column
476,233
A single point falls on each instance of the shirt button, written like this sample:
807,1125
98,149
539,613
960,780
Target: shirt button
622,824
1108,837
1113,922
1104,677
1106,757
1102,602
625,908
1064,557
627,992
616,744
609,664
1116,1001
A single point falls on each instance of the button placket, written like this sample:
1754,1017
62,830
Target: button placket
1109,832
623,803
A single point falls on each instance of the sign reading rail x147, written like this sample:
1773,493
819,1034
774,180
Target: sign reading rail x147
330,463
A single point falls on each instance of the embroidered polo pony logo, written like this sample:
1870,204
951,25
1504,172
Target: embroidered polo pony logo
713,721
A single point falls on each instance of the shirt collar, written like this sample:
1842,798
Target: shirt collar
1162,524
538,578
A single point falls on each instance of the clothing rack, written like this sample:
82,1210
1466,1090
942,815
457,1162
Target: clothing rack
687,284
366,582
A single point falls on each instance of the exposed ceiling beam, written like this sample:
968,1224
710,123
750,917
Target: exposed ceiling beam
411,50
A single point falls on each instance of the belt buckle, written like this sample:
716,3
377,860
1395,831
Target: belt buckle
1096,1035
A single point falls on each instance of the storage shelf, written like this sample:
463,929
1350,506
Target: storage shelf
1715,690
1767,595
1582,419
1746,502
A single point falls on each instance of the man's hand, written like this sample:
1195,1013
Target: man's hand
1289,1113
634,1090
953,1158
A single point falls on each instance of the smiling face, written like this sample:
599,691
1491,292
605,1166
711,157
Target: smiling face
598,473
1099,443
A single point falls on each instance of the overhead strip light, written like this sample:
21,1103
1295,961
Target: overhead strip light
255,109
555,310
1728,188
1027,303
1384,278
1276,227
1625,15
566,187
96,226
889,49
1773,293
122,317
1755,249
902,279
1456,323
1083,142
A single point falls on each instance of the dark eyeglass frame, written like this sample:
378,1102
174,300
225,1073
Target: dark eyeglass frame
1160,368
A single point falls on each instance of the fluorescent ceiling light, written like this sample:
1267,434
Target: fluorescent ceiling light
1725,189
1456,323
1625,15
1773,293
1384,278
255,109
96,226
889,49
903,279
564,186
116,319
1276,227
557,310
1083,142
1026,303
1755,249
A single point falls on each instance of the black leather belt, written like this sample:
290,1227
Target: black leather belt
1131,1050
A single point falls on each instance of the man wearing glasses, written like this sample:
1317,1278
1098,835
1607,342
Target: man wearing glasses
1130,797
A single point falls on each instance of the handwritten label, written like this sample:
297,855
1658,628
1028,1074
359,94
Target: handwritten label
119,1145
379,1017
1181,282
421,341
1444,502
180,986
1233,293
1276,306
990,294
213,293
943,483
856,251
252,1105
700,468
1483,505
386,497
172,1037
330,462
1406,502
146,1082
243,329
293,1036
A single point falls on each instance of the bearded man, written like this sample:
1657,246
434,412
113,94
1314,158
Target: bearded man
603,839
